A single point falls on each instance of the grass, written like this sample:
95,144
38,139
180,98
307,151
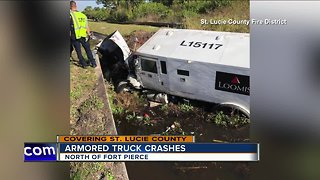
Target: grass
83,99
224,120
164,107
238,10
82,82
124,29
185,107
110,175
84,170
86,117
115,109
92,103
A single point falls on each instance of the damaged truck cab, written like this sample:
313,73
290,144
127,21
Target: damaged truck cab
194,64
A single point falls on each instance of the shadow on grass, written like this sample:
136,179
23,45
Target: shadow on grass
76,62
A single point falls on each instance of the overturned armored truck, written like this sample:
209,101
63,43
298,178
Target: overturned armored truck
201,65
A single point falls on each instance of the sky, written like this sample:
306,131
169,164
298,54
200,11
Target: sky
83,4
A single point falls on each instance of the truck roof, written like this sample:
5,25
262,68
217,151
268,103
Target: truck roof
225,48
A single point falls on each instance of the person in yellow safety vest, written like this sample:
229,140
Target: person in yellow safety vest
79,31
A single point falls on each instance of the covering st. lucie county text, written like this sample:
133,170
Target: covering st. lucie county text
137,148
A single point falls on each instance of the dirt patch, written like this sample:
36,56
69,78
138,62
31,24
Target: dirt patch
194,118
134,116
137,38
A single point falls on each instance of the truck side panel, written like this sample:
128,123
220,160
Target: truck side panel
200,82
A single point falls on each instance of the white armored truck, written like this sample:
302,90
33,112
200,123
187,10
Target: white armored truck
194,64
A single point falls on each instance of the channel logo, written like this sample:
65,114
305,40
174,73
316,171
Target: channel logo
40,152
234,83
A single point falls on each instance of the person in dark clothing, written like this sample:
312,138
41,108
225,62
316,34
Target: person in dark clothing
71,48
79,30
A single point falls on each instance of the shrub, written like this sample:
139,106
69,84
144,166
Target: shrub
154,11
164,107
101,15
221,3
92,103
185,107
197,6
224,120
119,15
97,14
117,110
151,9
201,7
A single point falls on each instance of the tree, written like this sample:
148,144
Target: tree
114,4
89,12
164,2
96,9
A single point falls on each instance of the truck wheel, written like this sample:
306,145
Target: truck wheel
231,109
122,86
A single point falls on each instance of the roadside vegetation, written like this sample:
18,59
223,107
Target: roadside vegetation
124,29
222,119
86,117
187,13
134,114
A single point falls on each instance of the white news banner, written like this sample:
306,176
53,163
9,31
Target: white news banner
158,157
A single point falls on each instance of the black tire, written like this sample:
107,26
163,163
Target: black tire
122,86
